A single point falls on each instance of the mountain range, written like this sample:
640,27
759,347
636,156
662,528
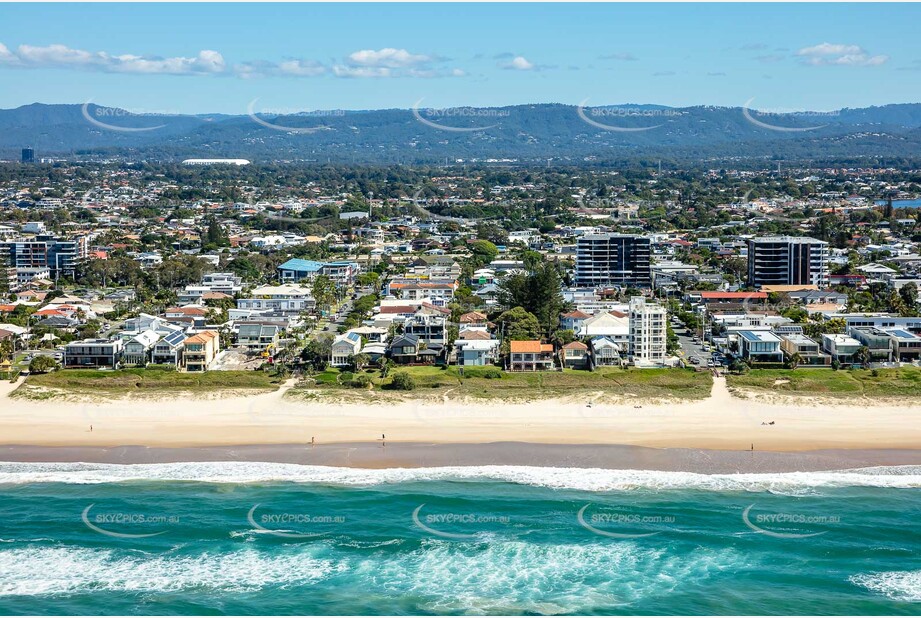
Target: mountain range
523,133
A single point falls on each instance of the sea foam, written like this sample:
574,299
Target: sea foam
583,479
33,571
897,585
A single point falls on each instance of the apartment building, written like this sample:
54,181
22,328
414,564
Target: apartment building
613,259
787,260
647,332
60,257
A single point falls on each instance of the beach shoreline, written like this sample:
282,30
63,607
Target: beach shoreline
364,455
721,422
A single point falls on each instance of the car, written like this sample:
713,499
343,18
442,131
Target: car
710,363
694,360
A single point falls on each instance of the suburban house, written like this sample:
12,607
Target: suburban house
137,349
168,350
404,349
575,355
200,350
877,341
573,320
93,353
841,347
473,318
606,352
760,346
476,352
809,351
530,356
431,329
345,346
257,337
296,269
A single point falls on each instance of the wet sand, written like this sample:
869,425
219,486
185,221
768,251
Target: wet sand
417,455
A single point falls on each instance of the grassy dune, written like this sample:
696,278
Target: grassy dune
904,382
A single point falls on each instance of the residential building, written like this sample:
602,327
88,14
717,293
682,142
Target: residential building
476,352
137,349
91,353
168,350
809,351
787,260
575,355
606,352
841,347
877,341
760,346
430,329
61,257
200,350
256,337
613,259
344,347
647,332
530,356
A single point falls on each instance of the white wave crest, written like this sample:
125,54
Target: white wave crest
34,571
584,479
897,585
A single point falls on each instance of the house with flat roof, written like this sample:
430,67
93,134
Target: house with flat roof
842,348
809,351
760,346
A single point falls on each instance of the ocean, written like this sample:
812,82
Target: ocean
268,538
901,203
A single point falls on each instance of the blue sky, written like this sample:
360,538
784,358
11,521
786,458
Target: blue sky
197,58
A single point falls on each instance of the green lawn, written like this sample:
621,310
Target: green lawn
886,383
644,383
126,381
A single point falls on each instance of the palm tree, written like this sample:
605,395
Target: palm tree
862,355
795,360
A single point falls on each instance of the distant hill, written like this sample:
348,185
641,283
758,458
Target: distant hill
524,133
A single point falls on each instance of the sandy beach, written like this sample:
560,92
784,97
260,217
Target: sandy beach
722,422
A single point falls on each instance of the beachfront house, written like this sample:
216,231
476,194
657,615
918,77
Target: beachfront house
137,349
168,350
200,350
530,356
93,353
760,346
575,355
606,352
841,347
476,352
344,347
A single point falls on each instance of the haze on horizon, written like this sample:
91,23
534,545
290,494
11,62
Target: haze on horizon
196,58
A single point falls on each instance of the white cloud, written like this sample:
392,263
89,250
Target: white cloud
388,57
835,54
519,63
61,56
387,62
341,70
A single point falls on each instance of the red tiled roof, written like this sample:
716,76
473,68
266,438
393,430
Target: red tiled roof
526,347
576,315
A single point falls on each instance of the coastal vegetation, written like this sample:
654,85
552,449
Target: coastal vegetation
487,383
899,383
153,381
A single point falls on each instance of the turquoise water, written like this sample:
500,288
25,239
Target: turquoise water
247,538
